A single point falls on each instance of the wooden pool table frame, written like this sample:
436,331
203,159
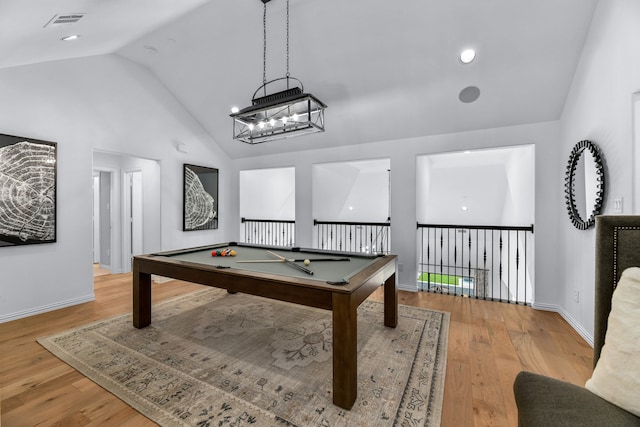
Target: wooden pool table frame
342,300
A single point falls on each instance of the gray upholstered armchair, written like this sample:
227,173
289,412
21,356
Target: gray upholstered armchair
544,401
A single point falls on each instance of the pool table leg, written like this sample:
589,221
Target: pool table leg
345,350
391,302
141,298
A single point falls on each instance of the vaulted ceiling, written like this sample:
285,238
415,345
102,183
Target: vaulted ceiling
386,69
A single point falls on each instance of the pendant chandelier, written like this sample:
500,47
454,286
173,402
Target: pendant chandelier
278,115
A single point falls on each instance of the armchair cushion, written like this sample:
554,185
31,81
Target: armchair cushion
616,376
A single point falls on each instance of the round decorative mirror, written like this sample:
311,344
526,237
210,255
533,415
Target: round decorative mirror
584,184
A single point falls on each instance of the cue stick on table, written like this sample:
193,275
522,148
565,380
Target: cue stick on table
296,260
291,263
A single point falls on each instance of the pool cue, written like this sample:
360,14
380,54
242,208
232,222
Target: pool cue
291,263
296,260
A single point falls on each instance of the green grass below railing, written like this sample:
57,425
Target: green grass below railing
444,279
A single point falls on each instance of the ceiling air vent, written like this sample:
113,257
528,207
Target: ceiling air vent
66,19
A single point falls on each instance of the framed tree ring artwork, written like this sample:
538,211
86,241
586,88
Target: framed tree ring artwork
200,201
28,174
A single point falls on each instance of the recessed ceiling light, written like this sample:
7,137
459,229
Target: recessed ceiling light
464,208
71,37
467,55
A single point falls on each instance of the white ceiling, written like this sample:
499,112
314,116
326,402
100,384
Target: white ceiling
386,70
25,37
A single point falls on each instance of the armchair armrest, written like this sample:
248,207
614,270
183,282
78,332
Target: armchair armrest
547,402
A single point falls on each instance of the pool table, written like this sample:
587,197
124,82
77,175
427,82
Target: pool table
340,282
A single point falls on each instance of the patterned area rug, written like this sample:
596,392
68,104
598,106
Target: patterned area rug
214,359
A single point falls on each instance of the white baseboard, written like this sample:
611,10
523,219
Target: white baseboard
546,307
46,308
408,288
566,316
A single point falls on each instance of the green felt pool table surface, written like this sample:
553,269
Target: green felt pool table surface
328,270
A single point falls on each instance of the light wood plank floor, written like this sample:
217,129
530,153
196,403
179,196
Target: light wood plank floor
489,343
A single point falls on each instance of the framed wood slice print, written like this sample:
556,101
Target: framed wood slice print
200,202
28,173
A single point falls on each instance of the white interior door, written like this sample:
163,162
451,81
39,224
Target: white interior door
136,214
96,219
133,220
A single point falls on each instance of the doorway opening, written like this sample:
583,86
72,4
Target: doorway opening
101,222
351,206
268,206
475,223
126,201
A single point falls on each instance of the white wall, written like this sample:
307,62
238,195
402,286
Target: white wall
268,194
520,201
496,186
599,108
351,191
109,104
403,154
461,188
636,153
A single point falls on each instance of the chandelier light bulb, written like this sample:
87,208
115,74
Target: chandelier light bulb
251,126
294,117
261,125
284,120
272,122
234,110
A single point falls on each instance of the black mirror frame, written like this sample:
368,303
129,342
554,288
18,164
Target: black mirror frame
574,214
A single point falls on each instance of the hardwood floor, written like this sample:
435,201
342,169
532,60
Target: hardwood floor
489,343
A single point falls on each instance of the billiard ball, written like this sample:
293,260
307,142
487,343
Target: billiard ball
232,253
213,253
307,262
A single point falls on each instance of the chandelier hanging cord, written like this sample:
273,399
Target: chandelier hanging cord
264,53
288,46
264,48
